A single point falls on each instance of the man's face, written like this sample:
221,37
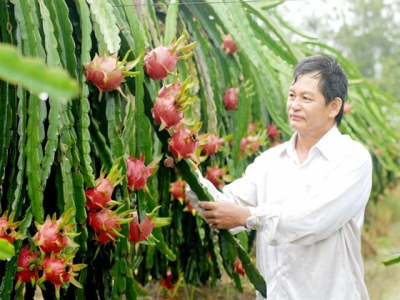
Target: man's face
306,107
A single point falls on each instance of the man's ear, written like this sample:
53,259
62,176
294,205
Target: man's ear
336,105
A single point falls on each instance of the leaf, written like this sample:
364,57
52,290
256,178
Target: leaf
394,259
105,18
33,74
6,249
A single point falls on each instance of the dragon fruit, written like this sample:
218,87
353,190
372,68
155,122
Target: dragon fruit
190,209
213,145
99,196
272,131
161,61
28,267
137,173
58,269
140,232
53,235
228,45
231,98
178,190
217,176
166,282
172,101
184,142
8,228
166,112
107,73
238,267
106,223
251,144
346,108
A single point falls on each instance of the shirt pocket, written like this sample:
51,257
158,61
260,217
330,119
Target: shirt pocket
314,183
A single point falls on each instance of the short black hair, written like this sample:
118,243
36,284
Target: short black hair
333,79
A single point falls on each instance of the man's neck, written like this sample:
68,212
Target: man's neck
304,143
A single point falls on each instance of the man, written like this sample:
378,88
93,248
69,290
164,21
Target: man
306,197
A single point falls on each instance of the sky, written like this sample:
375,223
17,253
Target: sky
294,11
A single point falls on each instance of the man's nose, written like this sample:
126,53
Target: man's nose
296,105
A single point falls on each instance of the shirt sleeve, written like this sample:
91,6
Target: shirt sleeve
340,198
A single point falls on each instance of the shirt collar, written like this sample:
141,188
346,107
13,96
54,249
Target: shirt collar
325,145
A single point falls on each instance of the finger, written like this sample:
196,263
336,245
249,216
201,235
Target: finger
170,163
205,205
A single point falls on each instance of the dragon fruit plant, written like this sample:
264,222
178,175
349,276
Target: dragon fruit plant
162,60
107,72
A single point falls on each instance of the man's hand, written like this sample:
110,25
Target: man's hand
223,214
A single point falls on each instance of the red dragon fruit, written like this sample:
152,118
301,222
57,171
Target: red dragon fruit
190,209
231,98
99,196
58,269
166,112
28,267
137,173
8,228
107,73
213,145
238,267
228,45
141,231
250,145
217,176
252,128
178,190
272,131
184,142
106,223
170,104
53,235
161,61
166,282
170,90
346,108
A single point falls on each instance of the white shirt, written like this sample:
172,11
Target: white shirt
308,217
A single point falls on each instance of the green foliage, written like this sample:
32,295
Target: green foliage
33,75
53,151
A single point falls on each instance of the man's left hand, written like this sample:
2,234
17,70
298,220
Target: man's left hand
223,214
